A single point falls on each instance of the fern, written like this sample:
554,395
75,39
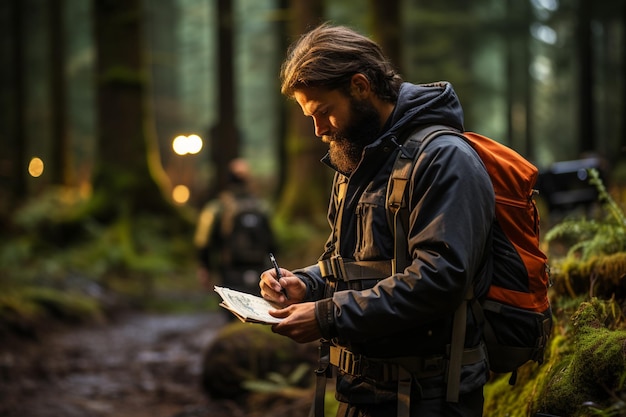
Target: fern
589,238
605,198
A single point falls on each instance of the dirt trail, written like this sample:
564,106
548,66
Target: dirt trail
141,365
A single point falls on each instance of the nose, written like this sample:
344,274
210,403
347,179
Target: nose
321,127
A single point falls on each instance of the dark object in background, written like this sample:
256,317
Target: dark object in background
242,352
565,185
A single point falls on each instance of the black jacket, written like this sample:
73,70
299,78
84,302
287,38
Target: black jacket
451,205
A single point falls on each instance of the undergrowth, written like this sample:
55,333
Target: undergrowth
62,264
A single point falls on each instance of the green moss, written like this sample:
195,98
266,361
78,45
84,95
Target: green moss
585,364
523,398
592,371
596,276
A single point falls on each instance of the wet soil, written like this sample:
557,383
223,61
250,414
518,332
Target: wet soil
138,365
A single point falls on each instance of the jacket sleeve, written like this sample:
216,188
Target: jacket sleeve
451,205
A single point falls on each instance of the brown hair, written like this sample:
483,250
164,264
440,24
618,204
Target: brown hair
328,56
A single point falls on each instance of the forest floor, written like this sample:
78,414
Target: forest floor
137,365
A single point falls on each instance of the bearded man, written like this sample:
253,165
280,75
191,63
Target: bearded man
385,326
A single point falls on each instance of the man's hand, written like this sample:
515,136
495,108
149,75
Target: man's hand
271,289
299,322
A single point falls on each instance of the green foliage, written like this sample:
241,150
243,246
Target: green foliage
26,307
279,383
53,216
588,238
65,263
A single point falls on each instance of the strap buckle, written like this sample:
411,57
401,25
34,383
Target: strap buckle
333,266
350,363
347,361
338,266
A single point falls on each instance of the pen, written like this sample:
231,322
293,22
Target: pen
278,274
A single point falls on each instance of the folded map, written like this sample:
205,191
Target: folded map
248,308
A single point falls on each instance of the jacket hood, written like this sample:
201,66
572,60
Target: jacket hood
426,104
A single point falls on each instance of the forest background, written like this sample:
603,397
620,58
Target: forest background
94,199
98,207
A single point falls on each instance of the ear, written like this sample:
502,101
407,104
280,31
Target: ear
360,86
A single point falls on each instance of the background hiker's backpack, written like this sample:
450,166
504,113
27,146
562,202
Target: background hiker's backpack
516,311
245,229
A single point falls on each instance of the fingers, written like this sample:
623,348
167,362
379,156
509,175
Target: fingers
270,287
279,313
299,322
288,290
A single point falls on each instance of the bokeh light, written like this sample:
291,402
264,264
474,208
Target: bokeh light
184,145
35,167
194,144
180,194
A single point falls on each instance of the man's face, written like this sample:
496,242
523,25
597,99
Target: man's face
347,124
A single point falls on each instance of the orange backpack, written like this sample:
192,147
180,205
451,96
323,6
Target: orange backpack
516,312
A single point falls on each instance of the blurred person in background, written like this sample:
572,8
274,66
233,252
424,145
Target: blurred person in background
233,236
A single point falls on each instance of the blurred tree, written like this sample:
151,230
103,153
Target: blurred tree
586,77
60,167
518,83
13,156
128,170
440,38
306,190
284,107
162,25
387,29
224,135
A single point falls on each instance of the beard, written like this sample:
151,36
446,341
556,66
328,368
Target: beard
346,145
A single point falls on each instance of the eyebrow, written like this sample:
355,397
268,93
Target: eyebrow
317,107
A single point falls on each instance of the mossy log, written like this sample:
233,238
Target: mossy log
592,373
601,276
248,352
584,370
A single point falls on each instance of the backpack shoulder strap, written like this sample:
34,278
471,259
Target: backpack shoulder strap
397,208
398,218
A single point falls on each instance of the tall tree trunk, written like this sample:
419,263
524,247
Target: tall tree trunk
518,81
12,126
225,136
127,168
19,93
529,86
387,29
61,149
305,196
622,128
586,78
510,73
285,107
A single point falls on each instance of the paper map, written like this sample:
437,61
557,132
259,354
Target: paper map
247,307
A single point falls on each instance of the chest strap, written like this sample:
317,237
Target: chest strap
345,270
